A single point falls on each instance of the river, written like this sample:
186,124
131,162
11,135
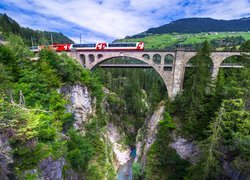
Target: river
125,171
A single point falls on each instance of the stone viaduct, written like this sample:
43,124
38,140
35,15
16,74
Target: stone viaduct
172,76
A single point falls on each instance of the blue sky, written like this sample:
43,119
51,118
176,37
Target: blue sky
107,20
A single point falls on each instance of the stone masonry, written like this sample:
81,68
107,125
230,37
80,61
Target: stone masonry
173,77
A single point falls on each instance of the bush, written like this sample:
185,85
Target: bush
80,151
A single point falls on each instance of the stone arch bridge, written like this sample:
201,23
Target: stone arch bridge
169,65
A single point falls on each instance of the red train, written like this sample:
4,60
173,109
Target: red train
127,46
61,47
108,46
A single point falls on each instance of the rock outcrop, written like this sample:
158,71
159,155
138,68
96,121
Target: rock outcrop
51,169
185,149
233,173
121,151
147,135
80,104
5,158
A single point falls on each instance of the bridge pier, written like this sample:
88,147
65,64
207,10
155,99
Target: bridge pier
181,59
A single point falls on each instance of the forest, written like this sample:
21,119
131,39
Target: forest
29,36
213,114
197,25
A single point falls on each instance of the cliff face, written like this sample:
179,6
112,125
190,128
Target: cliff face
52,169
121,151
185,149
81,104
5,158
147,135
83,107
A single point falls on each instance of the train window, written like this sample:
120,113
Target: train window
83,45
34,48
122,45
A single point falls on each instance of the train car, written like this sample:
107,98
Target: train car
61,47
88,47
136,46
35,49
125,46
48,47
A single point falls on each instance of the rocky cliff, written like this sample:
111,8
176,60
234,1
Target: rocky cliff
5,158
121,151
83,107
147,135
81,104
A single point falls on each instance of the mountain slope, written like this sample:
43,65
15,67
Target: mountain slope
198,25
8,25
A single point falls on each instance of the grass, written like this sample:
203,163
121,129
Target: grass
161,41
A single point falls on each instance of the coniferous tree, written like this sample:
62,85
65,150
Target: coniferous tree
195,91
229,137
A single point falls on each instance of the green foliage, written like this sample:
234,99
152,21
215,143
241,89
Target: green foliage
27,157
224,135
169,41
228,42
8,62
116,104
162,161
9,26
230,130
71,72
197,25
139,88
18,48
30,176
137,171
168,121
193,102
94,172
245,46
35,124
80,151
135,93
5,78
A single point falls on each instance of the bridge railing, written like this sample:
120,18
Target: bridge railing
232,65
223,65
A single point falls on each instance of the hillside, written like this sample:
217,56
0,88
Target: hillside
8,25
220,40
198,25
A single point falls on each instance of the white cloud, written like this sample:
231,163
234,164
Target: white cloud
223,9
118,18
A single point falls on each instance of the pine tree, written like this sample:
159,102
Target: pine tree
195,91
229,137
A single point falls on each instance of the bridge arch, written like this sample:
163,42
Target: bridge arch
218,58
167,82
146,56
232,59
99,56
157,59
169,59
91,58
189,65
190,60
82,59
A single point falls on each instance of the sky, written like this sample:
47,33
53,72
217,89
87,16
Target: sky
107,20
